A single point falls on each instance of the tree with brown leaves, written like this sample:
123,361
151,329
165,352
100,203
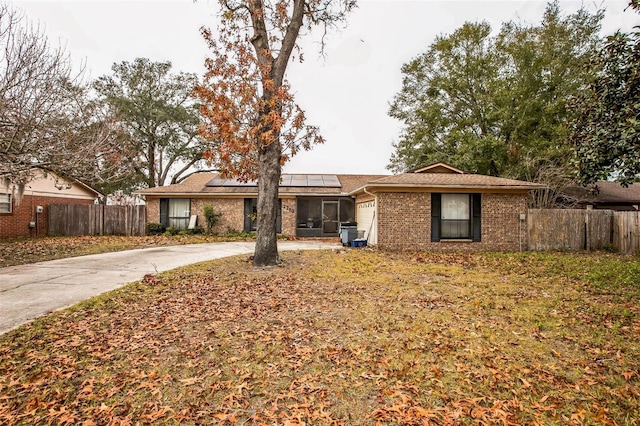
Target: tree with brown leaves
250,117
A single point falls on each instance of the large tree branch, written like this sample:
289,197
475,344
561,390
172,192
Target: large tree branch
288,42
260,38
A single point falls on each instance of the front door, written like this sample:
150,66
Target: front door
330,218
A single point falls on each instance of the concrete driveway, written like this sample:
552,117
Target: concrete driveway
30,291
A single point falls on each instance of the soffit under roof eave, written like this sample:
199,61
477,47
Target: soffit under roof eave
427,188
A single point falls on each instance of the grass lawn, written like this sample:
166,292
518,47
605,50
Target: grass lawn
342,337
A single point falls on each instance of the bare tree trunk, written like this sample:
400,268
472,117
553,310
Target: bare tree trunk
266,252
151,155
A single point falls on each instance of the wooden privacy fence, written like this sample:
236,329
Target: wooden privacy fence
96,219
626,232
578,229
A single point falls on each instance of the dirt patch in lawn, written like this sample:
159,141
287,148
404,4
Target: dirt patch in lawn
342,337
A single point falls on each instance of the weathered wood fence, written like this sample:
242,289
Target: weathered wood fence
626,232
578,229
96,219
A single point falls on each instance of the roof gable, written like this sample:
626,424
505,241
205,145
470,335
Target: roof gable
47,183
438,168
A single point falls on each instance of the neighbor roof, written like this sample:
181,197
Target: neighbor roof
606,192
46,171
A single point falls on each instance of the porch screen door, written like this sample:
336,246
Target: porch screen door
329,217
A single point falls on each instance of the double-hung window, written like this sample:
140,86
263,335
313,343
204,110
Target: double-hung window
5,203
455,216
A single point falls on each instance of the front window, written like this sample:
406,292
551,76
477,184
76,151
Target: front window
455,216
5,203
179,213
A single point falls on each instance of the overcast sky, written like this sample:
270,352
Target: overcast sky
347,93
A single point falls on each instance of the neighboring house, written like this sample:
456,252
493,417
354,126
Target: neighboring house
437,207
26,215
603,195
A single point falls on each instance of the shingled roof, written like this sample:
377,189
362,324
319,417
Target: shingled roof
438,175
606,193
205,184
448,181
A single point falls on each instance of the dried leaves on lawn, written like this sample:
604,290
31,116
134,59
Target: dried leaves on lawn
348,337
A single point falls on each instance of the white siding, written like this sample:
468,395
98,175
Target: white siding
367,220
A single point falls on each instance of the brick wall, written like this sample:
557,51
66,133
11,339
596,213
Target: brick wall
153,210
404,220
16,224
289,216
404,223
232,210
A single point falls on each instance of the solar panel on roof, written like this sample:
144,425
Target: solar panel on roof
297,180
331,181
285,180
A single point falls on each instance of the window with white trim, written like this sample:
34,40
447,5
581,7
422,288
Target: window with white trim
5,203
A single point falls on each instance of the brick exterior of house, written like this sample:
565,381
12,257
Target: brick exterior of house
398,207
42,189
232,209
16,223
289,216
404,223
153,210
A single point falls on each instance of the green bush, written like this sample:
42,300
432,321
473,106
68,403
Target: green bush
195,231
155,229
234,233
171,231
211,216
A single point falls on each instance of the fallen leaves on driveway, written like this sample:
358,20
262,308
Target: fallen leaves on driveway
341,337
23,251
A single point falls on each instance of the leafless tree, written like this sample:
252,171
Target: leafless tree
47,119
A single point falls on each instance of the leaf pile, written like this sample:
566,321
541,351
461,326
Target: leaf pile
341,337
